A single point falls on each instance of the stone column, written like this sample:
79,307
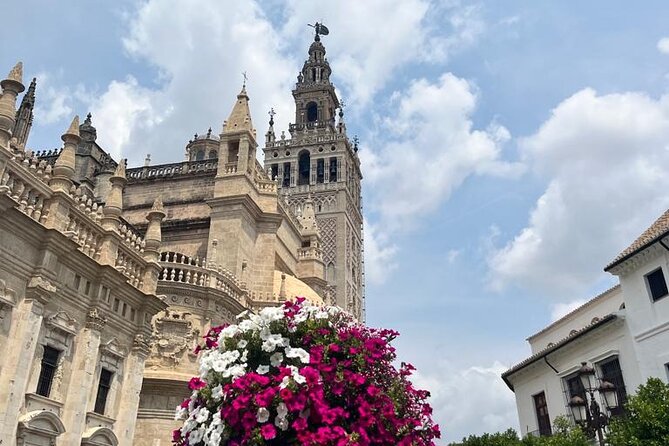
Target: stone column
11,87
133,372
25,327
83,378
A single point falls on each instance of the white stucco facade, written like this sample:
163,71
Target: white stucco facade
626,323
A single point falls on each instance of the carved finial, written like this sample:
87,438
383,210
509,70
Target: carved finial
147,160
88,118
73,129
271,114
120,169
355,143
209,133
16,74
158,205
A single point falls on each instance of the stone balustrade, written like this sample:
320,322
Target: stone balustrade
172,170
310,252
24,177
178,268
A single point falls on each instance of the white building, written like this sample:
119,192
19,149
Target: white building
623,333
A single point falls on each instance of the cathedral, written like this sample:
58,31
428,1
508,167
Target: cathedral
111,274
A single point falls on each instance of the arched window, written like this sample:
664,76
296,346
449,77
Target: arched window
312,112
320,170
213,155
199,155
303,167
330,273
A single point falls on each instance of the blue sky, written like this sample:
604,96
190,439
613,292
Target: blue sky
510,149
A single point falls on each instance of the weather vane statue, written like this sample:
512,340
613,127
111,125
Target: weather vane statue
321,30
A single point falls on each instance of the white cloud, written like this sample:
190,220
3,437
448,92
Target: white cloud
663,45
563,308
55,103
428,148
379,254
372,39
452,255
199,54
472,400
602,158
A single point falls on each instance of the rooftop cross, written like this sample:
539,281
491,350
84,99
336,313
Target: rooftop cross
271,114
245,78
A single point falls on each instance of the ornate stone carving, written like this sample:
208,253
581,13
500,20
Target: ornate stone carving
95,320
40,289
174,336
328,230
141,345
63,322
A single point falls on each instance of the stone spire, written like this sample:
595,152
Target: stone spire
270,137
11,87
114,203
24,116
63,169
240,117
153,236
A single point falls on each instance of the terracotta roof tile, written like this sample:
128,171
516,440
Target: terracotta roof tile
656,231
561,343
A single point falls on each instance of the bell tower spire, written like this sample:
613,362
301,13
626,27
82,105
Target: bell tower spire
318,169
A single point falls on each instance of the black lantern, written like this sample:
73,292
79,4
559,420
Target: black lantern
610,394
587,376
578,409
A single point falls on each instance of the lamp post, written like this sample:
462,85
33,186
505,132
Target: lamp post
590,416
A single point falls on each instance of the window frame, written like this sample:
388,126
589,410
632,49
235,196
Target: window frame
649,287
47,375
102,394
545,429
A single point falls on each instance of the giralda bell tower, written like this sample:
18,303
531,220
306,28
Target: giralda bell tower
318,165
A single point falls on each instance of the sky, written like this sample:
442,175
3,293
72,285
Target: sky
509,149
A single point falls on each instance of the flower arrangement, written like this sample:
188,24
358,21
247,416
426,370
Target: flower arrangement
299,374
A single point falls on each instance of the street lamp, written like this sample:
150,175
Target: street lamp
591,417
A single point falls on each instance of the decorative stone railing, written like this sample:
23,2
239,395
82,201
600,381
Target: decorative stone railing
299,137
178,268
309,253
230,168
25,179
171,170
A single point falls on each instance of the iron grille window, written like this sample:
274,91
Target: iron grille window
544,420
612,373
320,171
103,391
656,284
48,370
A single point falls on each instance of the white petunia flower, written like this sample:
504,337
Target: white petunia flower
262,415
202,415
242,343
300,353
282,410
276,359
217,394
262,369
196,436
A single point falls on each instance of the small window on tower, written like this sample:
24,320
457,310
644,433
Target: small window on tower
320,170
275,171
333,170
199,156
312,112
286,175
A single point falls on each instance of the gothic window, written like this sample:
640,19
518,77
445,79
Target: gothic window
48,370
275,171
330,273
213,155
333,170
199,156
320,171
304,167
103,391
286,175
312,112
